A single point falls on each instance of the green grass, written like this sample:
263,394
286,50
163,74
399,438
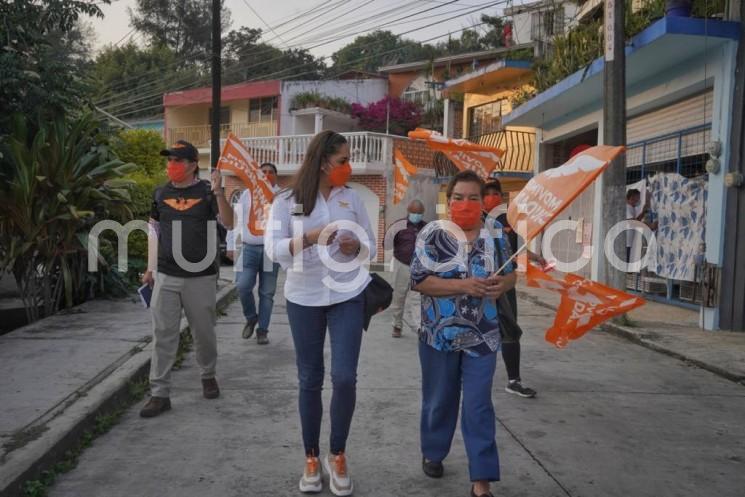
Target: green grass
101,424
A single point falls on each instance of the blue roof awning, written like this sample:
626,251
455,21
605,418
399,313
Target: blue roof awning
666,43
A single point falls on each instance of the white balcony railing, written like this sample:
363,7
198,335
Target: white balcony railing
199,136
370,153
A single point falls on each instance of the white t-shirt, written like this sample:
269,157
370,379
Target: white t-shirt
310,281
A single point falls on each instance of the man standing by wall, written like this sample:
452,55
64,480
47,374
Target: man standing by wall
404,243
182,254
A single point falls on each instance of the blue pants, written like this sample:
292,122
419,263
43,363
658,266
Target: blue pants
253,266
444,374
308,324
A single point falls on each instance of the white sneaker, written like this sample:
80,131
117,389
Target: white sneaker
311,482
339,480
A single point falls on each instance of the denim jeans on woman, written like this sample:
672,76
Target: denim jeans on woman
308,324
254,264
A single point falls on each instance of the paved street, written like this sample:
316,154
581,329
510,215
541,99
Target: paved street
611,419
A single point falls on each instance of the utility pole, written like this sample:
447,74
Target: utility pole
614,133
216,83
731,311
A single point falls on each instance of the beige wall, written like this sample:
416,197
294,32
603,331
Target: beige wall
487,95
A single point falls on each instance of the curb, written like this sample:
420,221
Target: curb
637,336
63,431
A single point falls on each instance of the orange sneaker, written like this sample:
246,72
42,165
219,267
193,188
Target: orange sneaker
339,480
311,482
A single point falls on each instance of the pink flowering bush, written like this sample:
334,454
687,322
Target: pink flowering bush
404,115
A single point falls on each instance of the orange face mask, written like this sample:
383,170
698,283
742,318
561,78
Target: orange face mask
176,171
492,201
465,213
271,178
339,175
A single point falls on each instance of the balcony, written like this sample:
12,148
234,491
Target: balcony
199,136
370,153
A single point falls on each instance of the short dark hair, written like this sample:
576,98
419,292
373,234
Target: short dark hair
466,176
632,193
274,168
494,184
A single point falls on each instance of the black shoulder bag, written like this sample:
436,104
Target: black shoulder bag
508,327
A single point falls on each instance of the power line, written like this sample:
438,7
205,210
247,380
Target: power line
233,69
262,20
342,65
199,55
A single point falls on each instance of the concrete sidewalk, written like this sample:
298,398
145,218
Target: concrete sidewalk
57,374
670,330
611,419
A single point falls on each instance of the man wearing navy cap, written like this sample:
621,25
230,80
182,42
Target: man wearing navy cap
182,255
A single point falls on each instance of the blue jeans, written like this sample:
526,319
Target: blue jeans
253,266
308,324
443,376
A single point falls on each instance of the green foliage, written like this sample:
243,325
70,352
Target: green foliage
308,99
56,183
580,46
130,81
102,423
246,57
184,26
370,51
43,56
142,148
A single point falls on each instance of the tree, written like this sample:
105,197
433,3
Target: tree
494,37
130,81
398,116
371,51
43,56
57,179
185,26
246,57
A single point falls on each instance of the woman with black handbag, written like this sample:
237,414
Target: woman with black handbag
319,231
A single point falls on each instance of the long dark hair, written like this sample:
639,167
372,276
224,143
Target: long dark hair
307,180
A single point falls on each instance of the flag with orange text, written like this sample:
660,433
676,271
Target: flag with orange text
584,304
402,171
236,158
463,153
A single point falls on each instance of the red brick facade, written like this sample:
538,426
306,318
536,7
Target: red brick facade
417,152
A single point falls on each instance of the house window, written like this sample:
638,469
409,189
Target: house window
224,115
486,118
546,24
262,110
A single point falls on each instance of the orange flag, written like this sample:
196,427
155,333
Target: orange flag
236,158
401,174
464,154
550,192
584,304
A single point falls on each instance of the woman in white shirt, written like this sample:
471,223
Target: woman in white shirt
319,231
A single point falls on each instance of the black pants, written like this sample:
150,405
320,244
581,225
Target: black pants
511,349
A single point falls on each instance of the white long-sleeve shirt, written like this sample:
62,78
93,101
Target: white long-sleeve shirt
244,208
314,277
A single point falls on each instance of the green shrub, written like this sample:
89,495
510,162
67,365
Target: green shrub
141,147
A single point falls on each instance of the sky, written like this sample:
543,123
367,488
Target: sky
354,17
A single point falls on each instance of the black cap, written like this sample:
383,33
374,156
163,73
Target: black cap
183,150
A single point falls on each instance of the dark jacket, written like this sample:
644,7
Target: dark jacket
404,242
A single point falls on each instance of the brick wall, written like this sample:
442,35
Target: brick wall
417,152
377,184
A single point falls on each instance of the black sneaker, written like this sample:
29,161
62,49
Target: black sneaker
261,337
432,469
248,330
518,389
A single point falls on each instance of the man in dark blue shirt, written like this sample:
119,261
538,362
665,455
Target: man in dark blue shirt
403,250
